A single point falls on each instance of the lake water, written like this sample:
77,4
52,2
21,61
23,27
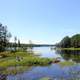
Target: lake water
46,52
51,72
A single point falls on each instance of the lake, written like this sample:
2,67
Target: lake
50,72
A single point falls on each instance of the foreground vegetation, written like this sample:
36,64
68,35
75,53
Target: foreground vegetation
28,60
66,63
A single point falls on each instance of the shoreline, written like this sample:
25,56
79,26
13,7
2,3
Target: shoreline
67,48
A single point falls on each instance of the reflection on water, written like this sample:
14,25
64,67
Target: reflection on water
51,72
70,55
46,52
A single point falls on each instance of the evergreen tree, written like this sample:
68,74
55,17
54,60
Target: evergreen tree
4,37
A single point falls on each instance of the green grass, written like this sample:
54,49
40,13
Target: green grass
66,63
11,54
28,59
45,78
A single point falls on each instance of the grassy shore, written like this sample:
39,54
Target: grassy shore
67,48
29,59
66,63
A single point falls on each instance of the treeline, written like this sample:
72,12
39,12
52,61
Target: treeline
68,42
4,37
5,44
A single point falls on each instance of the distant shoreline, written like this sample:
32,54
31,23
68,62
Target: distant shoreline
67,48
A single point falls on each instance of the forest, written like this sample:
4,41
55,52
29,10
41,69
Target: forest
70,42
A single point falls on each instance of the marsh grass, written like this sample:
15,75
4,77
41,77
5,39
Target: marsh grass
45,78
28,60
66,63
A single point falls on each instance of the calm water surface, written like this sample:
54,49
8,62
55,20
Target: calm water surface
46,52
53,71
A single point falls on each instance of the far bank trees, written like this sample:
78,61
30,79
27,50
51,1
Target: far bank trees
68,42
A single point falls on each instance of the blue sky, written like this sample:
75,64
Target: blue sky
42,21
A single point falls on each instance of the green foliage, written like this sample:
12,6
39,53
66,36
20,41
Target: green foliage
4,37
28,60
65,42
66,63
73,41
45,78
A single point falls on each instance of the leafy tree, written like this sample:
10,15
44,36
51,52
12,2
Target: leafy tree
4,37
75,41
65,42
